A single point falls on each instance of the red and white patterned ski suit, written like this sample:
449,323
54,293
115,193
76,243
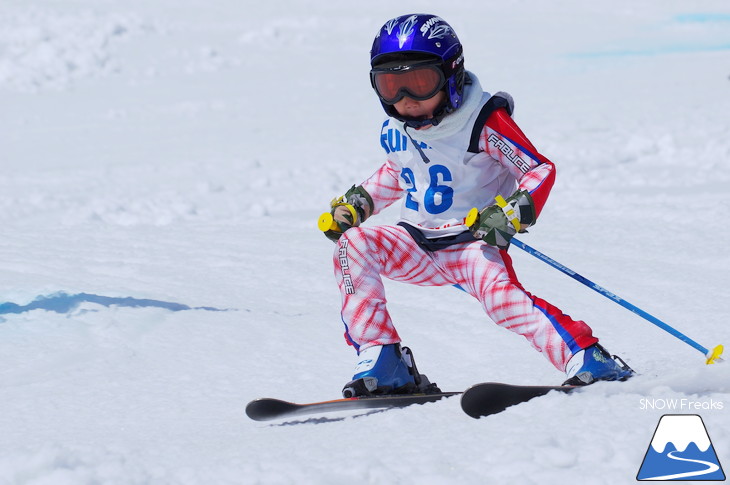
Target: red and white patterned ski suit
506,161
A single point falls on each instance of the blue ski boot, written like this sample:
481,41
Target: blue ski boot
595,364
387,369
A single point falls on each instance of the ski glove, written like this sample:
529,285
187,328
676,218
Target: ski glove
347,211
496,224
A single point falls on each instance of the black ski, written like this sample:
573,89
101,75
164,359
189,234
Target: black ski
493,397
266,408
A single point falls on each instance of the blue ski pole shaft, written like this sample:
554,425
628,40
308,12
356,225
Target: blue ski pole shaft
616,298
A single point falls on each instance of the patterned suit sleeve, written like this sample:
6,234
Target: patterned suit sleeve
384,186
504,141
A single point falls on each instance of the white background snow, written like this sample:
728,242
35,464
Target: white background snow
181,152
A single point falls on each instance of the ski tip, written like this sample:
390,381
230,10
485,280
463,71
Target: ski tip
265,409
715,355
488,398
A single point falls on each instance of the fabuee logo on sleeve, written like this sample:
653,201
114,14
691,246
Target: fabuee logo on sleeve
681,450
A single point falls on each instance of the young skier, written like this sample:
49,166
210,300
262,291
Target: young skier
450,147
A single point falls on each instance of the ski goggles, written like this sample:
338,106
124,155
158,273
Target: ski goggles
419,82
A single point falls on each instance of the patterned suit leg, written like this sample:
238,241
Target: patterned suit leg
366,254
487,274
362,257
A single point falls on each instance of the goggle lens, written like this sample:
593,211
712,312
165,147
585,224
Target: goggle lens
420,84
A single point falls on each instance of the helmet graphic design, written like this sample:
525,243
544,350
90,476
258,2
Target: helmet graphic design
414,40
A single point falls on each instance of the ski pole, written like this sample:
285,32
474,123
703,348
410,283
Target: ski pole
711,355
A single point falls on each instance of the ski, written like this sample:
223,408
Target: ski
265,409
493,397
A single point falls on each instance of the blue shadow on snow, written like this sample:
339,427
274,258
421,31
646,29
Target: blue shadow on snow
702,18
63,303
716,18
649,52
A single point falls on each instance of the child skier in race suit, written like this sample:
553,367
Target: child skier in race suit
450,147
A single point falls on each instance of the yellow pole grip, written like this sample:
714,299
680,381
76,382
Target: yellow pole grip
508,211
327,221
471,217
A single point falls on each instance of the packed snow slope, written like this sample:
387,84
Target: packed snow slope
163,167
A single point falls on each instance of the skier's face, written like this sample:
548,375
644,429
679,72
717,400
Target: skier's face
422,110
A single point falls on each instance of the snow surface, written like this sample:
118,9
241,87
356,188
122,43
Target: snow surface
166,155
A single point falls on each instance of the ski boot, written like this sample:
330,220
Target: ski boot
595,364
387,369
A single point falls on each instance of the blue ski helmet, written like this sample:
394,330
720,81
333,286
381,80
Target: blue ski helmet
417,38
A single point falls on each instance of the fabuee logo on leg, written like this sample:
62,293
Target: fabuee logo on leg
681,450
